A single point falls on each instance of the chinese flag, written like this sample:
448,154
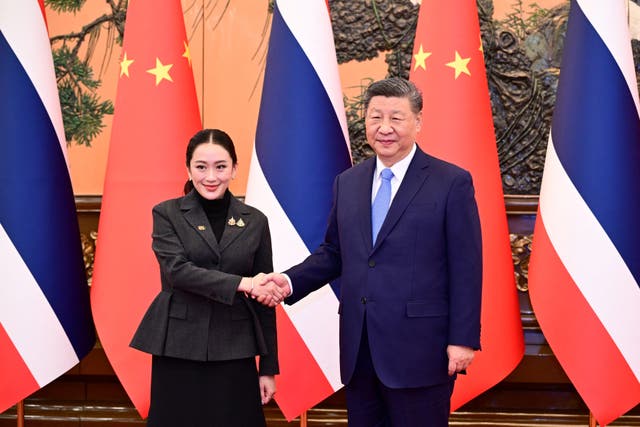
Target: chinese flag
156,112
448,66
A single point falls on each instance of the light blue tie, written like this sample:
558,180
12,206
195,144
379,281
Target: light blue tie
381,203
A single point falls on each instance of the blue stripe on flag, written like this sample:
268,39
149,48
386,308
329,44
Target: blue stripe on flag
299,141
593,106
36,201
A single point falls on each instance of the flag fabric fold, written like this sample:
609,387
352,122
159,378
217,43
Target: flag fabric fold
45,319
457,126
156,112
584,272
301,145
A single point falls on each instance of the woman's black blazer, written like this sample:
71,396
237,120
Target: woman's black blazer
199,315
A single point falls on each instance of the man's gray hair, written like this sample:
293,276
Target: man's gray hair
394,87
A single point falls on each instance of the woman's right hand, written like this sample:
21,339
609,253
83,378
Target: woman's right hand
261,288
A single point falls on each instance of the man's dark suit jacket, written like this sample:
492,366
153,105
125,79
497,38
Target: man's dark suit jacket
199,315
419,286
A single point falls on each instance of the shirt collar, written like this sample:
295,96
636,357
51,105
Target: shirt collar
399,169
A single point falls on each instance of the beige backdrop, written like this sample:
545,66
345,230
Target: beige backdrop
228,48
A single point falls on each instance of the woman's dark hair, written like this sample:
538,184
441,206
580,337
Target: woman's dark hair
209,136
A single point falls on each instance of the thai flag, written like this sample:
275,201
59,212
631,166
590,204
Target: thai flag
585,265
45,321
301,145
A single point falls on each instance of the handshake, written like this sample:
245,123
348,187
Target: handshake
269,289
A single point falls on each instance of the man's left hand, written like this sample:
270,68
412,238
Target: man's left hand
460,358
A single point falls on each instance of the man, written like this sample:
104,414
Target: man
410,297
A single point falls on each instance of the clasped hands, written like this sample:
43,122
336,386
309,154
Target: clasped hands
269,289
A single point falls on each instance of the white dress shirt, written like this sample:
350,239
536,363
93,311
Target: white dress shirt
399,170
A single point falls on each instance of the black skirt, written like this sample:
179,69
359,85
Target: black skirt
187,393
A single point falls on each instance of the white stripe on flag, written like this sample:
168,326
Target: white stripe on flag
288,248
616,39
29,320
317,321
591,259
316,316
34,53
310,24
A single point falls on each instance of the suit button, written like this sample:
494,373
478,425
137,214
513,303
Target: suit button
363,300
372,263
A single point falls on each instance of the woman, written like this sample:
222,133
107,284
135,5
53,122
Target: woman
205,327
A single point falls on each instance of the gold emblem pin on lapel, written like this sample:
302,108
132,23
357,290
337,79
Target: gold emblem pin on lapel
240,223
202,227
231,221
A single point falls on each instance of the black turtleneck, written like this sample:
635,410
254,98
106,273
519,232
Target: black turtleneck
216,211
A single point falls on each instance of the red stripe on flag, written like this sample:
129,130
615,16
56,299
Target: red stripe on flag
17,381
562,310
44,14
301,383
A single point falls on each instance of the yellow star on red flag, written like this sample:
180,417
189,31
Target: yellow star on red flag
460,65
124,65
420,57
161,71
187,53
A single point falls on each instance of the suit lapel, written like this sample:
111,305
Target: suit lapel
237,220
416,174
195,216
363,200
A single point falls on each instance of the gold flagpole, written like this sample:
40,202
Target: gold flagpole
20,413
592,420
303,419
